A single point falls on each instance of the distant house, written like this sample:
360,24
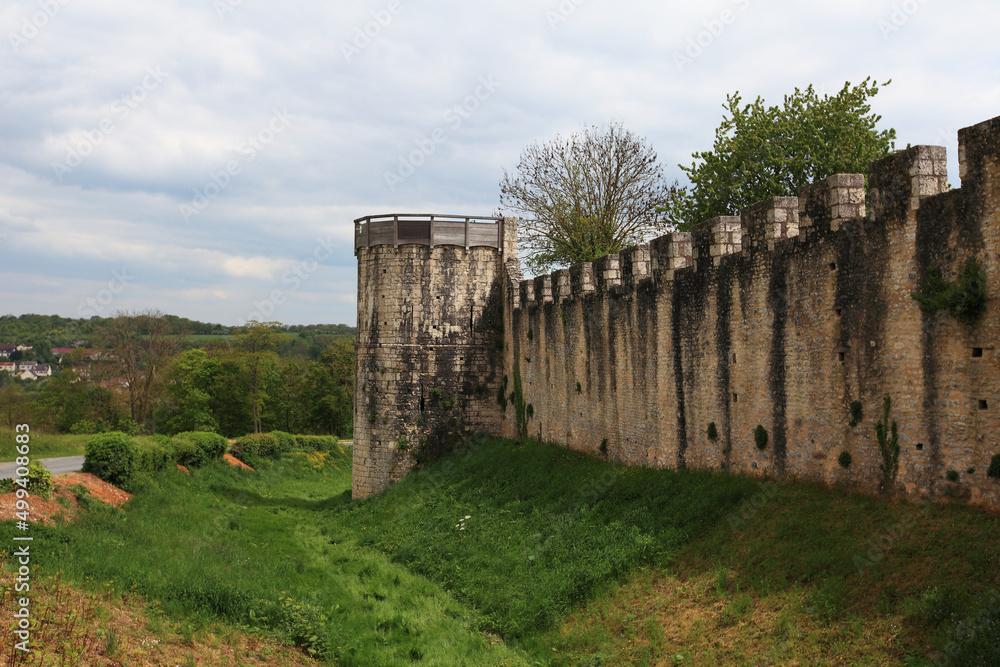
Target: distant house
61,351
25,374
27,365
8,366
42,371
25,348
7,349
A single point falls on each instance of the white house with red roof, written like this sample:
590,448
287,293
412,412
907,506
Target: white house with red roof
8,366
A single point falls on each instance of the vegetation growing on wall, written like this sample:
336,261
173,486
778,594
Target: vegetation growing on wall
520,408
760,436
856,413
964,299
888,446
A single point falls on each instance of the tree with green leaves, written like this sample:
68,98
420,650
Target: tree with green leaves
762,152
583,197
255,343
190,383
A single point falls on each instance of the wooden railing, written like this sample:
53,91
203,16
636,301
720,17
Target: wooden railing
397,229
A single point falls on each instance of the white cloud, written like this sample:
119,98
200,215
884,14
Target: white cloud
223,77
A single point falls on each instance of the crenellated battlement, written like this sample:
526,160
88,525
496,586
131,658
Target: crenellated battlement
784,317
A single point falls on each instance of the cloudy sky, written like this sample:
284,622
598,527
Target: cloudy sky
207,157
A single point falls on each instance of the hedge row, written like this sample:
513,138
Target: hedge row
119,459
257,446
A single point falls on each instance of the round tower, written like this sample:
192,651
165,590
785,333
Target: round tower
429,342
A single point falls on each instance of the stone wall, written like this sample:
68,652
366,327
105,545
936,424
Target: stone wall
782,317
428,355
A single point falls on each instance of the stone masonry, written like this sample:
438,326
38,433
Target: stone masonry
781,317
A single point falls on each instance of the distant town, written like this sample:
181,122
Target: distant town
28,370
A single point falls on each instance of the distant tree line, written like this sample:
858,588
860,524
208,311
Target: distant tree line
147,378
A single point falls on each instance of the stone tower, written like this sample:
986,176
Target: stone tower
430,338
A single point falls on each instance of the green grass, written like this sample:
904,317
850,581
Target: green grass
546,526
47,445
43,445
571,559
256,549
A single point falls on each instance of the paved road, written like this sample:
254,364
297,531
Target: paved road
66,464
57,466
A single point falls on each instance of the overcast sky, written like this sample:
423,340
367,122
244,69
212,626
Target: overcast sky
207,157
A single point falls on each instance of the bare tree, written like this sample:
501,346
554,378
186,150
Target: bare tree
136,345
595,193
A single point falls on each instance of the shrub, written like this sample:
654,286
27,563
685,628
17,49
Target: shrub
83,426
39,480
315,443
844,459
994,469
6,485
155,453
114,457
285,441
713,432
952,475
196,448
760,436
255,446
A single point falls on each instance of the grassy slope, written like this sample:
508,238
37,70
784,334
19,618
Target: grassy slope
578,560
46,445
252,549
43,445
710,568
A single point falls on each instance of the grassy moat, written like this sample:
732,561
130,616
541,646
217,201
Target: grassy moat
510,553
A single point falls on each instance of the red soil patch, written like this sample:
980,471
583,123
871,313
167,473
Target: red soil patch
180,467
232,460
47,511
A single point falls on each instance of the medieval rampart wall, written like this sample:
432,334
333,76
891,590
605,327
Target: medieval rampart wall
782,317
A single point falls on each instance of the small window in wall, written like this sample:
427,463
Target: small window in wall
840,312
841,355
833,266
920,446
734,357
983,404
977,352
736,397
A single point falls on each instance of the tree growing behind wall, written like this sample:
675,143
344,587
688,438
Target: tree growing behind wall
762,152
594,193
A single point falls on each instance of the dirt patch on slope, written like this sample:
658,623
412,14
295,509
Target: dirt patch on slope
63,504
